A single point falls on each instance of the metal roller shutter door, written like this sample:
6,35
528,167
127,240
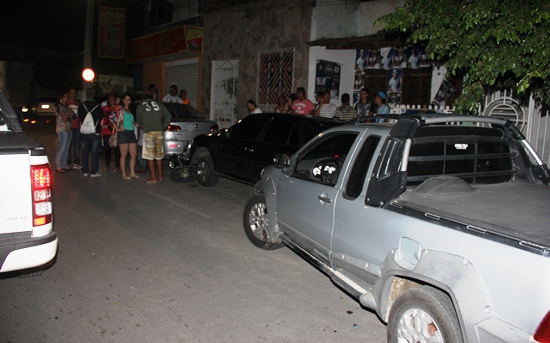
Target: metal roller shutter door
186,77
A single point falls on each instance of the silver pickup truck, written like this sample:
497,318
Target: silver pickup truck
27,238
440,224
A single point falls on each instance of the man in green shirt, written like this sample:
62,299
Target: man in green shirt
154,117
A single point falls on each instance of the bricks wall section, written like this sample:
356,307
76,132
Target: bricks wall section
241,32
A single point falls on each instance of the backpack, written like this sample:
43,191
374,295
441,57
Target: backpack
88,125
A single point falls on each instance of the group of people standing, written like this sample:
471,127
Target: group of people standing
299,104
115,116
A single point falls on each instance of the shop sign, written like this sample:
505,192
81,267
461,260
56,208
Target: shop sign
110,41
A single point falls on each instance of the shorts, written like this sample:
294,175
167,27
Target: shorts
152,146
126,137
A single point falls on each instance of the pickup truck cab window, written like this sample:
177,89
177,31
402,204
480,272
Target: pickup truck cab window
323,163
361,167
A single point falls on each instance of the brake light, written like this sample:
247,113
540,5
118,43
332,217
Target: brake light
542,334
41,186
173,128
214,127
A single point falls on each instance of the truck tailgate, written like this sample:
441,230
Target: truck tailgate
16,200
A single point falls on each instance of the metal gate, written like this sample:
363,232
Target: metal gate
185,74
539,129
223,97
275,76
533,122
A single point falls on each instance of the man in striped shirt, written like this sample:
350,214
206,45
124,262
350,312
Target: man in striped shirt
326,109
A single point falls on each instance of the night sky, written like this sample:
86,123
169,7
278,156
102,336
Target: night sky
40,24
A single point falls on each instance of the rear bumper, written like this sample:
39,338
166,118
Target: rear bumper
24,253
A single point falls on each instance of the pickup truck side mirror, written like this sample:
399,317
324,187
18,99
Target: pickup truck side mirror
281,160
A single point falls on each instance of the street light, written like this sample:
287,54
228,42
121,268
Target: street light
88,74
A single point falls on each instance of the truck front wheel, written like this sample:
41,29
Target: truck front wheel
423,314
256,223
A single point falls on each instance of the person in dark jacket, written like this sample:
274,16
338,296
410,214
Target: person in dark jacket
90,142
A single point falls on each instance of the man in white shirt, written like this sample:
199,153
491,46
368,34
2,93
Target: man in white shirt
172,95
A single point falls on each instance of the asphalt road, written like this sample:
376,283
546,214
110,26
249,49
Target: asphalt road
169,263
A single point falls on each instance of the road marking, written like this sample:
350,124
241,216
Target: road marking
185,207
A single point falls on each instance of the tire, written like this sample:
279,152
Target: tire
423,314
255,223
206,174
181,175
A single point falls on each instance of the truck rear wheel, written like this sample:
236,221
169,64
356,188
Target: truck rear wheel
423,314
256,223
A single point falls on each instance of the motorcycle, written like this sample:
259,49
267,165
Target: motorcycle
182,171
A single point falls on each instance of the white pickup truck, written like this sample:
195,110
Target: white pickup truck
27,239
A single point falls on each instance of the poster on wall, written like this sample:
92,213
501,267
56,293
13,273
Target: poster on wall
394,87
443,94
327,78
391,58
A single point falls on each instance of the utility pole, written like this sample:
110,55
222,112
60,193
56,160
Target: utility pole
88,44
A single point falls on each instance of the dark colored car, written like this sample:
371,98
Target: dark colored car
243,150
186,123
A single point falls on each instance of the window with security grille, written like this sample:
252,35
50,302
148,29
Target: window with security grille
275,75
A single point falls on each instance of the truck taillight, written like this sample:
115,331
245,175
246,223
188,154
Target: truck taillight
543,331
41,185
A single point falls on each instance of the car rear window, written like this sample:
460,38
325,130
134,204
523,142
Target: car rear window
182,111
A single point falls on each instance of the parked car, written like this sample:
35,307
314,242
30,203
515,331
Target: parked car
46,106
438,223
186,123
243,150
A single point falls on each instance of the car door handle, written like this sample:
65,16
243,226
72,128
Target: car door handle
324,198
248,149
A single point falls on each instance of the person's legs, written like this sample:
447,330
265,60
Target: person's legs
106,151
61,148
66,152
159,167
159,153
117,157
151,165
96,143
149,154
132,149
76,147
86,144
122,161
69,155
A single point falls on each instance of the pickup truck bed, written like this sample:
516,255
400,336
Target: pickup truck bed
10,140
518,209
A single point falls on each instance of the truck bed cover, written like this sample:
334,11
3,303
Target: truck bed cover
11,140
517,209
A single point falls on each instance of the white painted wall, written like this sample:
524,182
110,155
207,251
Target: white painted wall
346,58
343,19
438,75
